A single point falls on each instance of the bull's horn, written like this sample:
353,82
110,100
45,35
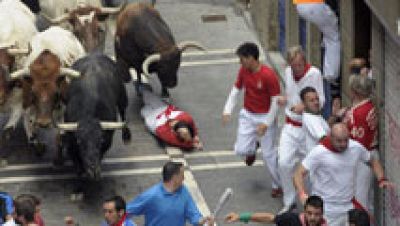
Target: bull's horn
18,74
182,46
72,126
113,10
6,45
70,72
57,20
15,51
149,60
112,125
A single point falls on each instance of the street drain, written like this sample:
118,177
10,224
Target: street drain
213,18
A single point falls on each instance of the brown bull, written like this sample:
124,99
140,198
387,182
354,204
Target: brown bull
44,87
85,21
145,42
41,89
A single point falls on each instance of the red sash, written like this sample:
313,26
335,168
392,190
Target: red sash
292,122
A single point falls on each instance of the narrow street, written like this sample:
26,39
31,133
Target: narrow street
205,80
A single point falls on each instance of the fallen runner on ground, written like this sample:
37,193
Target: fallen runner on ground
168,123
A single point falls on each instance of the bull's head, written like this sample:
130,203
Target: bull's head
85,21
7,60
90,139
168,63
44,86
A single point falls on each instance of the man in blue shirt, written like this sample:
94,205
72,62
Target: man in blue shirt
169,202
6,208
114,210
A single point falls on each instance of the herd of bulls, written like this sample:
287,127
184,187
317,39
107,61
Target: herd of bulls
59,77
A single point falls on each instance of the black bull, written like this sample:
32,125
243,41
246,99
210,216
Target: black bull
94,98
145,42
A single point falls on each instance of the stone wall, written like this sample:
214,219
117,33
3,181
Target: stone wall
265,20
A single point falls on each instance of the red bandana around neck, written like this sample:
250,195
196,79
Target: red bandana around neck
306,69
121,221
326,142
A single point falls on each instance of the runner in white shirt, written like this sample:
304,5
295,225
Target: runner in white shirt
292,146
314,125
332,167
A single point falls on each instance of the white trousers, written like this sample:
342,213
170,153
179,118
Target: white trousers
153,106
364,181
246,142
325,19
291,151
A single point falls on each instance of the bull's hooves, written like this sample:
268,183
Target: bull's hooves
77,197
126,135
40,149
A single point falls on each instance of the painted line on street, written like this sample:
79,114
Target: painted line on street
226,165
216,153
144,171
213,62
209,52
174,152
145,158
127,172
171,153
196,193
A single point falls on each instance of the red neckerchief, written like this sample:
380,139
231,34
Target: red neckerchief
304,223
167,111
39,220
299,77
326,142
121,222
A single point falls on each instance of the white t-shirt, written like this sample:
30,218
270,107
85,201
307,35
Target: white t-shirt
10,223
312,78
315,127
333,174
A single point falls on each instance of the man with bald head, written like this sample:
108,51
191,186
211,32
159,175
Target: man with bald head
332,168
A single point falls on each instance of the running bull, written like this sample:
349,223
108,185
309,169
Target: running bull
46,75
86,23
92,106
144,41
17,29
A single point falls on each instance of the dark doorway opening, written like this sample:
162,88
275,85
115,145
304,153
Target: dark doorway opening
362,29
